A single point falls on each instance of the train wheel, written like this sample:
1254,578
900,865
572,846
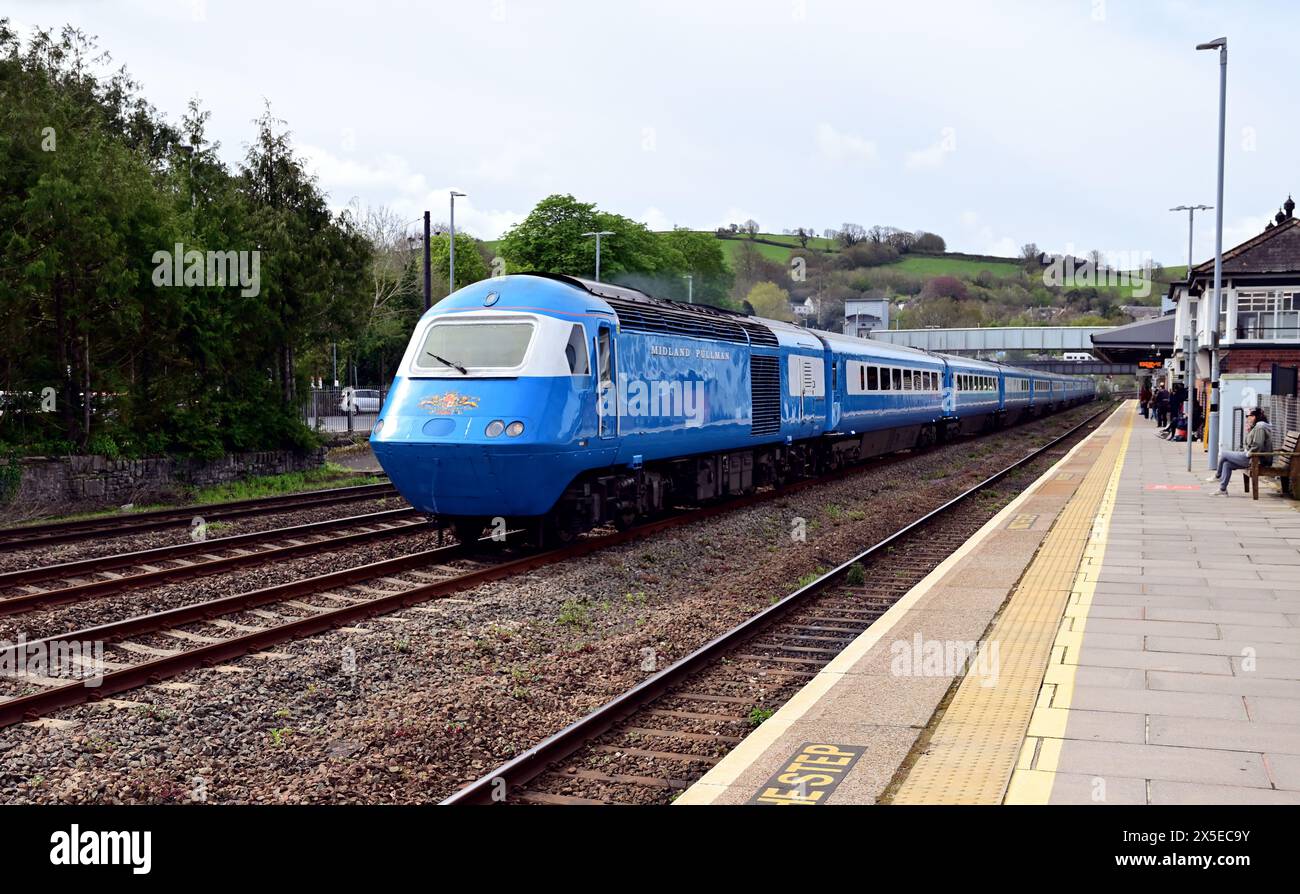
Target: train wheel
468,529
553,531
624,516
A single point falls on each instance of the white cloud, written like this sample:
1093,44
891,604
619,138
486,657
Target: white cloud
929,157
737,216
837,146
981,237
389,180
509,162
482,223
340,175
657,220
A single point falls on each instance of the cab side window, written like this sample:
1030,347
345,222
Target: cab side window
576,352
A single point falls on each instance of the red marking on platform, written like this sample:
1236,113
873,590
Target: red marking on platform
1173,487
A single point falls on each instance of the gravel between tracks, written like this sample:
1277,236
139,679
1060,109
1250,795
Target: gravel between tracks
435,697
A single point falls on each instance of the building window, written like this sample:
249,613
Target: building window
1267,315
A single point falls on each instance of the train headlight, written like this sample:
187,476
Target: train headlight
379,426
515,429
495,428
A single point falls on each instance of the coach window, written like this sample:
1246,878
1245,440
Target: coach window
897,376
576,352
873,378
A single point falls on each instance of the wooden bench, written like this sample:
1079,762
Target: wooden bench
1286,466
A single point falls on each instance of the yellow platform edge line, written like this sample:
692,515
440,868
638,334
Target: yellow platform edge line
724,774
1033,784
973,751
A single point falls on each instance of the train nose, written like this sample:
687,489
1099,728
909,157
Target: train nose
448,480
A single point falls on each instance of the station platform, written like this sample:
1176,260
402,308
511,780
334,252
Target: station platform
1118,634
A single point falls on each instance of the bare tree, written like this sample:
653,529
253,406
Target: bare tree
900,239
392,269
851,234
751,227
803,236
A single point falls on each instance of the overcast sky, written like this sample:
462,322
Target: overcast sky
1074,124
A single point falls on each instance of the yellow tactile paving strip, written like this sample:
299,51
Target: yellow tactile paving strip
974,748
1035,772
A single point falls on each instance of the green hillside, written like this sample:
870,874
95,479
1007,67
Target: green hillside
942,265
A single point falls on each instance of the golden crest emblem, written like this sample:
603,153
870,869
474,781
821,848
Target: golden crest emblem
449,403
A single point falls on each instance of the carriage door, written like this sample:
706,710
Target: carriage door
606,376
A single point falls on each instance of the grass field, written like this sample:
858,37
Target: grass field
772,252
942,266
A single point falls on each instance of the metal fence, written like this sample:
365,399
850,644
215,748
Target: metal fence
343,410
1284,414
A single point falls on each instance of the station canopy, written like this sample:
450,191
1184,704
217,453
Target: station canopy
1149,341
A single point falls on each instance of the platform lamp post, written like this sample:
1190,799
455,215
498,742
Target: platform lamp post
428,281
1189,343
1216,302
598,234
451,280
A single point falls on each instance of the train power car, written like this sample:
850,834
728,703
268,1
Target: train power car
564,404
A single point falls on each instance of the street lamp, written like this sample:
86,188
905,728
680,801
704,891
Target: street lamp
1189,346
598,234
1216,302
690,288
451,282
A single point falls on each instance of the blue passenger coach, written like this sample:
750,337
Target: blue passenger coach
566,404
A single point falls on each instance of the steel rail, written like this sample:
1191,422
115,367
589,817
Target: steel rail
177,550
28,536
532,762
111,587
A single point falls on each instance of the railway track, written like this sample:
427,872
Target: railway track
49,533
656,739
155,646
110,575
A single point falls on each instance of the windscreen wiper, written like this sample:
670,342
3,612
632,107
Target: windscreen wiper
456,366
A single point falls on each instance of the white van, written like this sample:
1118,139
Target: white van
1078,357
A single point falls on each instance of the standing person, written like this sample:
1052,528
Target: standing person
1144,398
1259,439
1162,406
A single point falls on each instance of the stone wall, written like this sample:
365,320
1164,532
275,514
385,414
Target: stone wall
92,482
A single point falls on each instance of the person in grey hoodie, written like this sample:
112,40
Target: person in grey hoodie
1259,439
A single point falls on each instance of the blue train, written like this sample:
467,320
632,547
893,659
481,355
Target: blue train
566,404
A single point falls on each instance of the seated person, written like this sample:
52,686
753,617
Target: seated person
1259,439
